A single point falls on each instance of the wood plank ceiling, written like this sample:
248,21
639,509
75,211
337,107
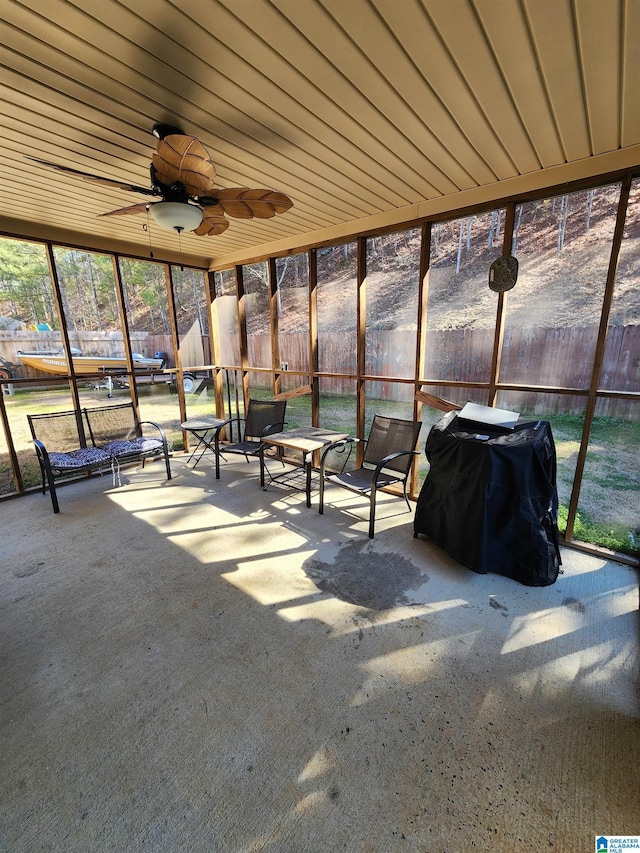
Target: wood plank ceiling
367,113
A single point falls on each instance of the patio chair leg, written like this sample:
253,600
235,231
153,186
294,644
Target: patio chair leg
52,488
216,453
404,492
321,493
372,511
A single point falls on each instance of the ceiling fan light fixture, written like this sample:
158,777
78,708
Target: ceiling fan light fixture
176,216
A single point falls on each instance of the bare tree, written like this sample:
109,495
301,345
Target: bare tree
590,196
562,221
494,228
516,228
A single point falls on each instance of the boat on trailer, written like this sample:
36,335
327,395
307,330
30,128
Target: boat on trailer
56,362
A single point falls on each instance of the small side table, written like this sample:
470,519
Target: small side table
203,430
305,439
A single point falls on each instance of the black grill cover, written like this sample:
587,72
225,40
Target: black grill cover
492,503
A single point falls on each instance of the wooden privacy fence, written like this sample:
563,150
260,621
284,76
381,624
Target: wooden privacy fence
560,357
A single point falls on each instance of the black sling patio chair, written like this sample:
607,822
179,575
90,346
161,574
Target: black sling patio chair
389,453
264,417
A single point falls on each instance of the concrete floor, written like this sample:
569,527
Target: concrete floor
198,665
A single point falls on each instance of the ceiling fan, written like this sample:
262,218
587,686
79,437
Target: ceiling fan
182,176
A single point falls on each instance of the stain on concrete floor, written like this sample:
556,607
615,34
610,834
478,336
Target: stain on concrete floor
367,578
574,604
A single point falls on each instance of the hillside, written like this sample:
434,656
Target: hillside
562,246
556,287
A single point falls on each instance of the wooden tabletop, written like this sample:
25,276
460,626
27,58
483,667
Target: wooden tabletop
305,439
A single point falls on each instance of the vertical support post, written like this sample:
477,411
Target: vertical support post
13,456
498,337
313,337
214,344
242,332
171,303
361,360
124,325
274,327
598,359
421,336
73,384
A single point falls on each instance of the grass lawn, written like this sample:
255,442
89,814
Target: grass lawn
608,505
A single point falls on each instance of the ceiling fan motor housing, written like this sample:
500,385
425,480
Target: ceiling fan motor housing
177,192
161,130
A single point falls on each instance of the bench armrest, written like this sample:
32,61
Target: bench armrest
165,445
156,426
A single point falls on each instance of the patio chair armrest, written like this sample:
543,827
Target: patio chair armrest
236,420
230,421
271,428
335,445
384,462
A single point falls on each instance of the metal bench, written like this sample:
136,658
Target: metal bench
91,441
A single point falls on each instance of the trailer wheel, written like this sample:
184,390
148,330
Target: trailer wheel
188,383
4,375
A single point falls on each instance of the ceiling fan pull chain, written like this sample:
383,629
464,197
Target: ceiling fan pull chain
147,227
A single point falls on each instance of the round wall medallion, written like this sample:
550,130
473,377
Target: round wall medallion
503,273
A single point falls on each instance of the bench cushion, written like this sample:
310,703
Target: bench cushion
78,458
116,449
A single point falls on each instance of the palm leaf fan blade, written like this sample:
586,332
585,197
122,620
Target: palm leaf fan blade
244,203
125,211
94,179
211,225
185,160
279,201
232,205
261,209
266,203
